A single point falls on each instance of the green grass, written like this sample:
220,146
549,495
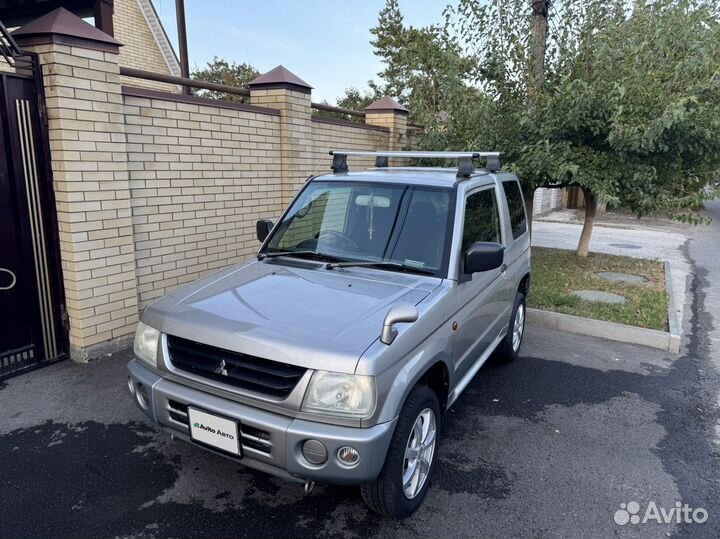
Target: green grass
557,273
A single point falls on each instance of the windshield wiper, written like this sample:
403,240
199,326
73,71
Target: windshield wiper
313,255
397,266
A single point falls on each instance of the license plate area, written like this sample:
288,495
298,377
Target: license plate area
214,431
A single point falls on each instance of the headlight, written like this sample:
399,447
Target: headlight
146,343
334,393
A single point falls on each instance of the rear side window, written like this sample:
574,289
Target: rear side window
517,208
482,220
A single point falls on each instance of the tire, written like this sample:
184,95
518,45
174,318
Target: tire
508,349
386,495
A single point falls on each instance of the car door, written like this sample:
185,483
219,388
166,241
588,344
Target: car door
482,296
516,233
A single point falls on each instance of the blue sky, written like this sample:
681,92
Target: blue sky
324,42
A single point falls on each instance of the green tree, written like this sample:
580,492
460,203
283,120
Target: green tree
633,117
424,67
353,99
627,107
390,44
221,71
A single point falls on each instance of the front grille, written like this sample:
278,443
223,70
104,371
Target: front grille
264,376
250,437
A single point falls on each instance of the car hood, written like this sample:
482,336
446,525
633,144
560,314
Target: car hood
307,315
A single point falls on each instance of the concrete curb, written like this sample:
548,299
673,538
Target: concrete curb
607,330
674,316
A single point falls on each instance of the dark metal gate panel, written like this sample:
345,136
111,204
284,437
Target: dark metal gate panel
31,302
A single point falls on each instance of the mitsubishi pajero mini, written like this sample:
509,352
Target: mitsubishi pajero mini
371,304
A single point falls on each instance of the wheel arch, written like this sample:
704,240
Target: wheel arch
437,378
434,374
524,285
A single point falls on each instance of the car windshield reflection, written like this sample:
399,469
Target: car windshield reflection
394,227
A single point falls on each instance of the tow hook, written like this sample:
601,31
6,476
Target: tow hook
309,486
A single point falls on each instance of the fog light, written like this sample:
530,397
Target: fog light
131,386
348,456
314,451
142,397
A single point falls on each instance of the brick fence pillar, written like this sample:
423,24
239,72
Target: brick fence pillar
90,176
387,112
281,89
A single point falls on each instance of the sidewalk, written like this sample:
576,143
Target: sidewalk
667,243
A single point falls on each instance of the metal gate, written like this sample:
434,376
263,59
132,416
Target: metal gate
31,301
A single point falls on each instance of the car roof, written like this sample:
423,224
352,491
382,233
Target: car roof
425,176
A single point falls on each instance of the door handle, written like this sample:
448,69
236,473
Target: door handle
503,271
12,276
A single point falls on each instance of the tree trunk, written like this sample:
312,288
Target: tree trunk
528,197
590,212
538,47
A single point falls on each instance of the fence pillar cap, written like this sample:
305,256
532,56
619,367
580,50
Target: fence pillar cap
280,77
386,104
64,27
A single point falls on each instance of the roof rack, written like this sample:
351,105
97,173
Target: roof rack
466,160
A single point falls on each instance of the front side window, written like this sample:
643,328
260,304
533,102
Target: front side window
516,206
482,220
356,221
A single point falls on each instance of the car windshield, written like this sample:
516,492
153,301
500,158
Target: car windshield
403,227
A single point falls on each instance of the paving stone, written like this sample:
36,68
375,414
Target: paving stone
599,296
621,277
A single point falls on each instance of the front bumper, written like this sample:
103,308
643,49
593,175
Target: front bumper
270,442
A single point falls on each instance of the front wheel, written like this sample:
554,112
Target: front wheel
405,477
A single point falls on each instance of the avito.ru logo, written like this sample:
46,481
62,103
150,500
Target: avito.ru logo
680,514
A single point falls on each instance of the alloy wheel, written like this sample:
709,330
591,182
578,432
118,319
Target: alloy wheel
419,453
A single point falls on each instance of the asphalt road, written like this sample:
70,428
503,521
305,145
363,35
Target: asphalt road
549,446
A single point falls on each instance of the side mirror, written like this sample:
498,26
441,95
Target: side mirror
484,256
263,228
400,312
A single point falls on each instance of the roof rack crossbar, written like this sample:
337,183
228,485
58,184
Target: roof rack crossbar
466,160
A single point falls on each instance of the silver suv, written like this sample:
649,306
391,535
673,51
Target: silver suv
369,308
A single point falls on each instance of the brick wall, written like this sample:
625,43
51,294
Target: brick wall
395,123
140,49
295,134
156,189
334,134
86,129
200,177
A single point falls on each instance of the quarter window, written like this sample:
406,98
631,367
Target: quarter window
516,206
482,220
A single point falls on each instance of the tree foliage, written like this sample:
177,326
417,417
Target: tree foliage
353,99
425,68
220,71
629,110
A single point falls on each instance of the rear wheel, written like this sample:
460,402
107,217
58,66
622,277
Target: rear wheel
509,348
405,477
